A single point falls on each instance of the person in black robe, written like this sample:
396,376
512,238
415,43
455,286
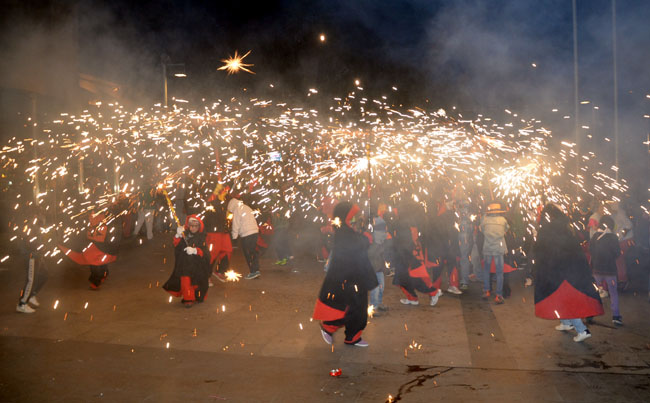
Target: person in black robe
189,279
343,297
411,273
218,233
98,247
564,286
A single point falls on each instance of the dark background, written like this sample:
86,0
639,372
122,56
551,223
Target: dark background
475,55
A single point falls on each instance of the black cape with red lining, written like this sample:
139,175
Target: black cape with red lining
98,246
197,267
410,272
349,278
564,286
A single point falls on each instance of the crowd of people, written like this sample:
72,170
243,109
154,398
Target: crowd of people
574,259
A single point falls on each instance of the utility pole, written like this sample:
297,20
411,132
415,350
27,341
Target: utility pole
615,87
575,87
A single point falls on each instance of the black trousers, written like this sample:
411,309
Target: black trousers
248,247
35,277
98,274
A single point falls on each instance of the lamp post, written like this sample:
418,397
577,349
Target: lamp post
165,64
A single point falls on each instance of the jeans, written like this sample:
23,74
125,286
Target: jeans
281,243
466,243
377,293
498,263
577,324
612,285
475,259
248,247
145,216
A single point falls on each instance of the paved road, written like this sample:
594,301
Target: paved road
253,341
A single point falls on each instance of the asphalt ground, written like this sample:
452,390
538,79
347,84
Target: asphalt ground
253,341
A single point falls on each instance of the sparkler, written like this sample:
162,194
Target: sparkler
235,63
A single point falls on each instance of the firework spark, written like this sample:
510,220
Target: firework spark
235,63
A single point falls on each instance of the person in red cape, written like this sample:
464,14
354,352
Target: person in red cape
343,297
100,246
192,266
411,272
564,286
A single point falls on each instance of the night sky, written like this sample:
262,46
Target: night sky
477,55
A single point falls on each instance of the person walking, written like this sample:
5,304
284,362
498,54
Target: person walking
564,286
244,226
605,249
343,297
494,227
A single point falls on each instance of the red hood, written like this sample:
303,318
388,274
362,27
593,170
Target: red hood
187,222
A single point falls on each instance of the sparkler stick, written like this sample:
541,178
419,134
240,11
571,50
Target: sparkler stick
171,208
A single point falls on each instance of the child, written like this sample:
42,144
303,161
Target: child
192,266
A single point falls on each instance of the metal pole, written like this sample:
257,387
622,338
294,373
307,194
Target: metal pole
575,85
37,187
369,140
615,87
164,66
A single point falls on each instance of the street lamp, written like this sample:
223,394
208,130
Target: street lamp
180,73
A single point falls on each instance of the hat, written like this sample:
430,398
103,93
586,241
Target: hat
495,208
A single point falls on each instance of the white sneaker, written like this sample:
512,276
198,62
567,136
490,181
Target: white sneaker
361,343
434,299
326,336
563,328
406,301
24,308
582,336
32,300
454,290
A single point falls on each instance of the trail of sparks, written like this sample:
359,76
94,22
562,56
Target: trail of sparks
288,158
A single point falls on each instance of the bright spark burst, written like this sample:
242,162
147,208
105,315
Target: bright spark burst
235,63
232,275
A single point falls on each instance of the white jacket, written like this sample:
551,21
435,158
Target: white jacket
243,219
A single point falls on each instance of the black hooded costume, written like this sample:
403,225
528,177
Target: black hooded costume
191,272
564,286
343,298
411,274
98,247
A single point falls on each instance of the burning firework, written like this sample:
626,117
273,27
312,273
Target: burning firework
235,63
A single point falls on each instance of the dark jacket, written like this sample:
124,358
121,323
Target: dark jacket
216,217
604,249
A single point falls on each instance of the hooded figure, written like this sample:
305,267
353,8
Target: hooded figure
343,298
99,248
192,266
564,286
218,236
411,272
